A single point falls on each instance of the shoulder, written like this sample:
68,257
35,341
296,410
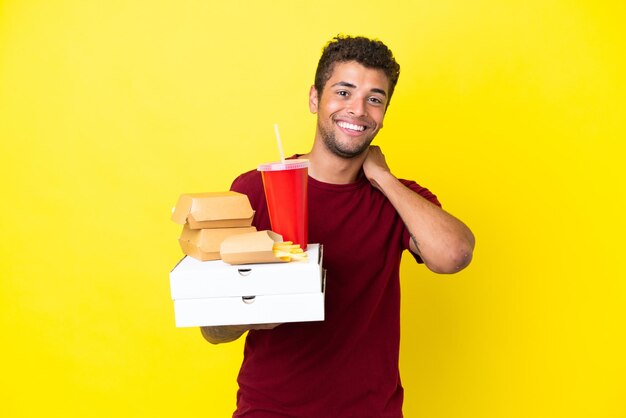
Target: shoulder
422,191
249,182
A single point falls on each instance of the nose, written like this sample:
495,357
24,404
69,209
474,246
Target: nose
357,107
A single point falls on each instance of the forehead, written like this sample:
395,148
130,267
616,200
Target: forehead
362,77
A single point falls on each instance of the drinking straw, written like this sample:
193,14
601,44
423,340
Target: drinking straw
280,144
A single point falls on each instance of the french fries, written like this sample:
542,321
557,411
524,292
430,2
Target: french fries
288,251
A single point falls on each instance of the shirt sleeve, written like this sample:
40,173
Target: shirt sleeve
251,184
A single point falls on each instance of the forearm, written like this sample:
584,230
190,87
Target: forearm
223,334
444,243
227,333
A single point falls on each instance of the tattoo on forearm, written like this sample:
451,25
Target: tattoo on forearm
222,333
417,246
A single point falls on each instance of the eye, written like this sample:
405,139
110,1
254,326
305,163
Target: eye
343,93
375,100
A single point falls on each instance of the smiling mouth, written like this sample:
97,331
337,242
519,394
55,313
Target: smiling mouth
351,126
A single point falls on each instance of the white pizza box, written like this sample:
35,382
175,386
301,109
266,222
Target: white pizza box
253,309
194,279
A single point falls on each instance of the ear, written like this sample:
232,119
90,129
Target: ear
313,99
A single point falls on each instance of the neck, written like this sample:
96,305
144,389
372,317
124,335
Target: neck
327,167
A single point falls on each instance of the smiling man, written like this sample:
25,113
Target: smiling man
355,102
347,365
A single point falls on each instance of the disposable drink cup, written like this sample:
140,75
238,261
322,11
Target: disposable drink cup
286,194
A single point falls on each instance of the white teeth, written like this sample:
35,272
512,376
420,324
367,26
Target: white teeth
347,125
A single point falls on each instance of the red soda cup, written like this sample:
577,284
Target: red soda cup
285,184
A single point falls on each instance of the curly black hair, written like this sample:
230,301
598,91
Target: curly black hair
370,53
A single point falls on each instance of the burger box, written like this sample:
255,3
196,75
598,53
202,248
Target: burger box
207,293
213,210
204,244
250,248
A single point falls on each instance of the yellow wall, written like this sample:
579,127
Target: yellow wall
512,112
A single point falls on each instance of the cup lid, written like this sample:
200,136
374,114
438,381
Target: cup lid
287,165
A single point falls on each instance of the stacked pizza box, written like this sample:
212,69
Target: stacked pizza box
232,274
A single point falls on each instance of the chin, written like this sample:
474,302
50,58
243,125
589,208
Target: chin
342,152
347,154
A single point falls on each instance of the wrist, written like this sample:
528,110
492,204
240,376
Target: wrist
383,178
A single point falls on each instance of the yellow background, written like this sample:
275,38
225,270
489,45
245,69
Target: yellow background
512,112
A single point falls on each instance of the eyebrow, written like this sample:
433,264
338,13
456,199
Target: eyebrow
350,85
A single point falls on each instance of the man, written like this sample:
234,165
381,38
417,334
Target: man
347,365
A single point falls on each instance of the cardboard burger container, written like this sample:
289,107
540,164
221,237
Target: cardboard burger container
217,293
204,244
213,210
250,248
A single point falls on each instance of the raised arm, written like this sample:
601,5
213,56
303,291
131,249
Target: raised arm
444,243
